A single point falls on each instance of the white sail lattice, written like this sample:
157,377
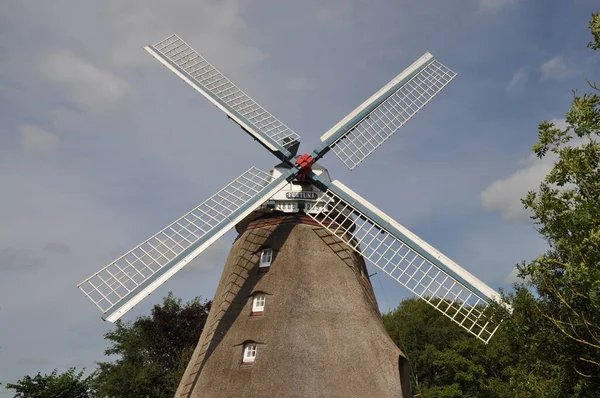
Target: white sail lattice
370,131
380,245
112,284
234,101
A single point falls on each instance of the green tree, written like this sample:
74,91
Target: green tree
54,385
445,360
566,211
595,29
540,366
152,351
526,358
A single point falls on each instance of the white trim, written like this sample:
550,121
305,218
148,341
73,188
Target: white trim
163,278
466,275
250,351
415,65
216,103
258,302
266,258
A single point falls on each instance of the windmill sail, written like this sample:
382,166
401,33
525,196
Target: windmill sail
409,260
357,135
190,66
122,284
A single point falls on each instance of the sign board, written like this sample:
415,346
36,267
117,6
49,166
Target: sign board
293,207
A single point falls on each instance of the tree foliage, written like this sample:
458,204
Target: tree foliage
152,351
595,29
525,358
566,211
445,361
64,385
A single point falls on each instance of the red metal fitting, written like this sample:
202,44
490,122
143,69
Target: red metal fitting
304,162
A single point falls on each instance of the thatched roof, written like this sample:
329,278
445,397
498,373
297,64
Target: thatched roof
320,335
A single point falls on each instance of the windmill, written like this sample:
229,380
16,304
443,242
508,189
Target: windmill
294,313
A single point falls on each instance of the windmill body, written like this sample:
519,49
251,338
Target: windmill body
294,313
318,332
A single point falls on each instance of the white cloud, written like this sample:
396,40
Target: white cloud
519,79
504,195
299,84
496,5
513,277
215,29
89,87
36,139
557,68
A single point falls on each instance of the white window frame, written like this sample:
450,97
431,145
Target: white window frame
250,351
266,257
258,302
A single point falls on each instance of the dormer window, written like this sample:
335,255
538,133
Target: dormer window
258,304
266,256
249,353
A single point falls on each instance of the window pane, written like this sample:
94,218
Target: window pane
249,352
265,257
258,303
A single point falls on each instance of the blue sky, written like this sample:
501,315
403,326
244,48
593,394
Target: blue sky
101,146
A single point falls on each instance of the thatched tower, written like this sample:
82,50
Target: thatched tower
319,333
